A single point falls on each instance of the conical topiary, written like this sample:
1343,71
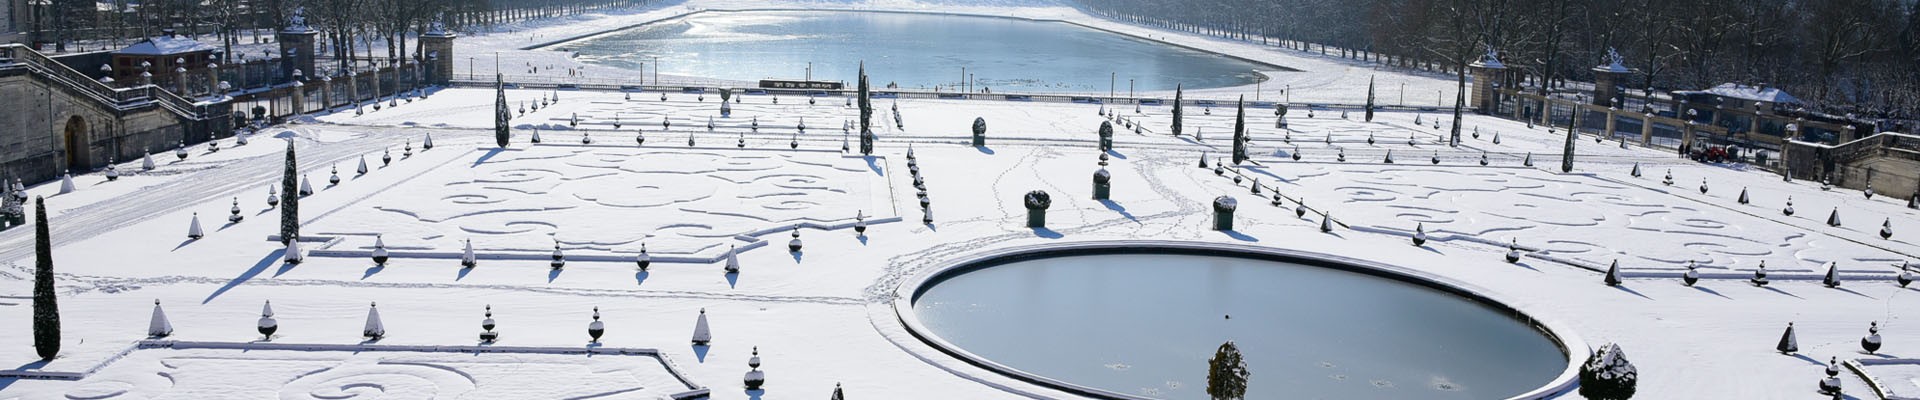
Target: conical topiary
1788,344
701,334
1743,194
427,144
596,328
306,186
293,254
1832,279
733,263
146,161
1834,218
1636,170
1871,343
267,325
159,326
1419,233
1612,277
362,170
837,394
467,259
1326,222
193,229
374,329
66,184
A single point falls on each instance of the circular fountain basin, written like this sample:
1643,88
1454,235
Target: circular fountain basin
1141,320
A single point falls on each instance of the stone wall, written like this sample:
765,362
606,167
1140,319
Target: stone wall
44,120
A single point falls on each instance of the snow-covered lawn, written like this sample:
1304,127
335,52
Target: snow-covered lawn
674,200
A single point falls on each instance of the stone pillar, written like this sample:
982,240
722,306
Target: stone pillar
1604,86
1102,188
1607,78
1223,207
1646,130
437,45
297,45
1610,122
1037,202
326,91
1486,74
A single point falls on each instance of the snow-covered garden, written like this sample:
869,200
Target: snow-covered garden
649,246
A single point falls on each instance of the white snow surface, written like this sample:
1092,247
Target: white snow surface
824,316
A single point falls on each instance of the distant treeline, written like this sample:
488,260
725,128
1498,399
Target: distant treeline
1847,56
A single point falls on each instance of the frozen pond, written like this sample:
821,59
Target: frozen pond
912,50
1146,323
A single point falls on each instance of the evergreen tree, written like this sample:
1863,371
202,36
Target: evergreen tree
1240,131
1178,113
46,314
1227,374
289,199
500,114
1566,155
1369,99
866,113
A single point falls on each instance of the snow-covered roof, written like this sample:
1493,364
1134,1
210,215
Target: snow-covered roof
164,45
1752,93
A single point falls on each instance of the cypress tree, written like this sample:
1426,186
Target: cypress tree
1240,131
1566,155
866,113
289,199
1178,95
1227,373
46,314
1369,99
500,114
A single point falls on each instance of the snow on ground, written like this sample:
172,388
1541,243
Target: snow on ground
823,316
676,201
